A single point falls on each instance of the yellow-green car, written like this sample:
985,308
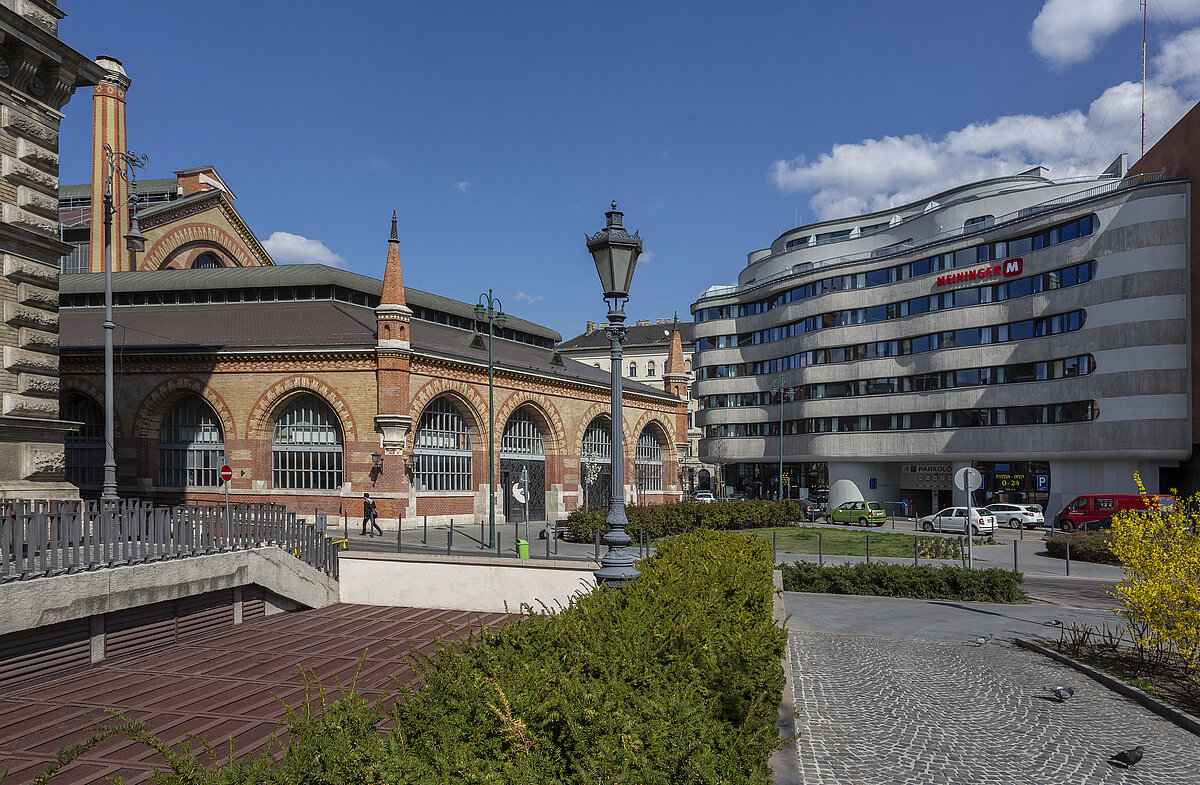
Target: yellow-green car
861,513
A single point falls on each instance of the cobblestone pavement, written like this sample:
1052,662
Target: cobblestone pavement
873,710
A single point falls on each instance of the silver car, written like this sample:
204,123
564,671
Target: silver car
1018,515
954,519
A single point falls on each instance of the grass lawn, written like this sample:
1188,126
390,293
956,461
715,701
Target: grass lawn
840,542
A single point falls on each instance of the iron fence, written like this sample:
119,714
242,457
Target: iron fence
46,538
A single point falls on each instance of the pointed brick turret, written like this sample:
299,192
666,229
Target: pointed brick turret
393,280
674,375
392,357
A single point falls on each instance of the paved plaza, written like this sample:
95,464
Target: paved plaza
916,704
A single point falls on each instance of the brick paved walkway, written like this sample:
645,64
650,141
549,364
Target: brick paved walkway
222,685
877,710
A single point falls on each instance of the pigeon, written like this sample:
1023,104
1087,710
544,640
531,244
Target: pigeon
1054,623
1127,758
1062,693
981,640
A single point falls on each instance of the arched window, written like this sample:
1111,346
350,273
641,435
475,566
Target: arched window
206,261
523,453
442,449
650,367
632,370
306,449
648,462
85,447
595,463
190,447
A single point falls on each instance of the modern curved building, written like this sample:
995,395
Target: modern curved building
1037,329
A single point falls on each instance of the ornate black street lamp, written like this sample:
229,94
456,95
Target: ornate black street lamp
491,308
123,164
616,252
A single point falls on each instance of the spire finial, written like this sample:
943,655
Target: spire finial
395,238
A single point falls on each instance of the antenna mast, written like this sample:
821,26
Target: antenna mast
1143,77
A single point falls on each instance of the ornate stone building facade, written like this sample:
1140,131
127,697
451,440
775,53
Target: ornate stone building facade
38,75
317,385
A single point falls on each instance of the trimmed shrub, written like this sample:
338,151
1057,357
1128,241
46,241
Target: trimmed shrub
674,678
1085,546
902,580
663,520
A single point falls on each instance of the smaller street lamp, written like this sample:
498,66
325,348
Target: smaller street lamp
615,252
782,387
491,308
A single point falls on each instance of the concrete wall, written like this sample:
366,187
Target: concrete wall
460,583
41,602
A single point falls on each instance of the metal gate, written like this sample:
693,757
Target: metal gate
510,476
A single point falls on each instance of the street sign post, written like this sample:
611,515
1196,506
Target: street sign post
970,480
226,476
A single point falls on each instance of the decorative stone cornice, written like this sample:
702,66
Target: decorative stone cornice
35,63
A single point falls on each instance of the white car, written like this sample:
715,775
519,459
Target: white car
1018,515
704,497
954,519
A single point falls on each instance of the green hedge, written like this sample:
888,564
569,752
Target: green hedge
903,580
662,520
1085,546
675,678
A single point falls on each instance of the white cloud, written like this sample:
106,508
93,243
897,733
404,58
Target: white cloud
527,297
1068,31
463,185
875,174
288,248
646,256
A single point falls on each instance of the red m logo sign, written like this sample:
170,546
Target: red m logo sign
1013,266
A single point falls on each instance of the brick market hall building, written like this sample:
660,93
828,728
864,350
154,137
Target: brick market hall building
318,385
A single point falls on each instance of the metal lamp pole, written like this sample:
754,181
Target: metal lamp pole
782,387
123,164
492,308
615,253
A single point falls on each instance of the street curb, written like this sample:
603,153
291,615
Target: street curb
784,763
1167,712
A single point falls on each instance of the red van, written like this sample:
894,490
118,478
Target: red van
1095,510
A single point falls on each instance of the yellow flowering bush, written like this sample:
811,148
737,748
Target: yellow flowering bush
1160,552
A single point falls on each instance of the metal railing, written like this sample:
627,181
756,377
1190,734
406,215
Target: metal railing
47,538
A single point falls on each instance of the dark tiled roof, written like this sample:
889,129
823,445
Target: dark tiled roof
635,336
277,275
321,324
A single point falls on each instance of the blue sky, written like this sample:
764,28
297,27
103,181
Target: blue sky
500,131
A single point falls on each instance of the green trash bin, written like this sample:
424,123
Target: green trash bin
522,549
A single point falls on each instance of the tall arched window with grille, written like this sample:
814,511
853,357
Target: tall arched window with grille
595,463
85,447
647,463
523,450
190,445
442,449
632,370
650,368
306,449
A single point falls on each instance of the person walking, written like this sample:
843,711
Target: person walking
369,515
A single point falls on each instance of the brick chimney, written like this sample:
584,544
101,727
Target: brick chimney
108,128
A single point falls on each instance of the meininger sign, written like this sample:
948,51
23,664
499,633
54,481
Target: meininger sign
1009,267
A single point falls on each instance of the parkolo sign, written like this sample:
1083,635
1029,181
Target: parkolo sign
1008,267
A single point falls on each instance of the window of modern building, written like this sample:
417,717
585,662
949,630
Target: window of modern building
632,370
650,368
648,462
85,446
306,447
442,449
190,446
